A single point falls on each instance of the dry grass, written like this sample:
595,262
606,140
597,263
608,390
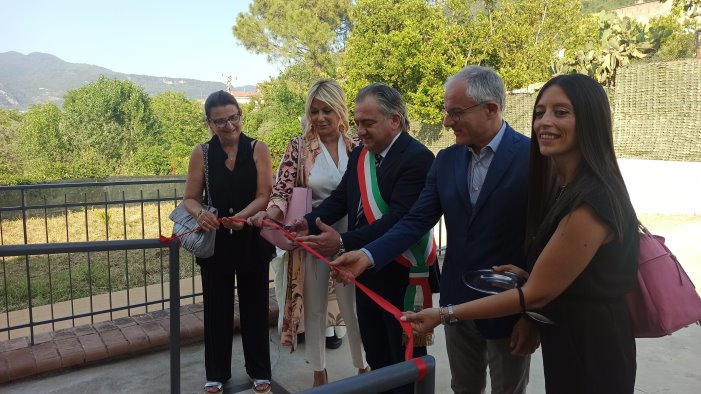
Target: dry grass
61,277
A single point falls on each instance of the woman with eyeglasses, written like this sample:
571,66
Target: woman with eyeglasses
583,247
322,150
240,181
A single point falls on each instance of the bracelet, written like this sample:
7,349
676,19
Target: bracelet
441,314
521,300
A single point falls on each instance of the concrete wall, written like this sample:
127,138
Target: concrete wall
645,11
663,187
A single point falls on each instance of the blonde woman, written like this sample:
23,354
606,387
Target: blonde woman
324,155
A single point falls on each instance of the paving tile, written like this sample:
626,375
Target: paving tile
115,342
46,356
42,338
84,330
137,338
4,368
124,322
71,352
162,314
104,326
63,334
199,315
190,326
93,347
157,336
143,318
21,363
17,343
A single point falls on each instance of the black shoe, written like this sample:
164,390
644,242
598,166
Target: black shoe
300,338
333,342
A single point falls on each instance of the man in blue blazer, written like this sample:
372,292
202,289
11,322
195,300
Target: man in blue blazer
401,164
479,185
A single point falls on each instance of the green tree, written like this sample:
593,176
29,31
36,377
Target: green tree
308,31
111,117
407,44
275,115
620,40
43,148
524,37
10,159
674,39
181,122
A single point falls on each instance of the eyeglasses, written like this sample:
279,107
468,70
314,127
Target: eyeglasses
233,119
455,114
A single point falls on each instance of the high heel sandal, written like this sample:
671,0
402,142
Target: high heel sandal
213,387
323,381
261,386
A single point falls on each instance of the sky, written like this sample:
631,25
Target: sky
176,38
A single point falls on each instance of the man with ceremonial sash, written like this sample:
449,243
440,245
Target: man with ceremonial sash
383,180
479,185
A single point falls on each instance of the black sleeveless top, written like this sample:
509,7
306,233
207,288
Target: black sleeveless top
232,191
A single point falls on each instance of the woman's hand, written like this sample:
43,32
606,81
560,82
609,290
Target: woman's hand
206,220
511,268
424,321
271,213
257,219
229,223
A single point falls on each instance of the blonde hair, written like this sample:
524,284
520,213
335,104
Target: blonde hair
331,93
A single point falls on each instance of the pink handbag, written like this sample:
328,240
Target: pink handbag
666,300
300,204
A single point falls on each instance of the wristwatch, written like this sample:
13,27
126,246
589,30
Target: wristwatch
450,319
341,247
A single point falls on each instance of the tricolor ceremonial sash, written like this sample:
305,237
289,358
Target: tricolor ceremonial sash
419,257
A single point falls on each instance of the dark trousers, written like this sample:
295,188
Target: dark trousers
380,331
219,275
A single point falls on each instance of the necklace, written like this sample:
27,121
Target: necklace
559,192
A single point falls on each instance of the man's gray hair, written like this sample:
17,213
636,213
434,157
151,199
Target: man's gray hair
389,100
483,85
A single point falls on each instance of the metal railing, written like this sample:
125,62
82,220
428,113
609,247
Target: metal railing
78,247
36,215
60,214
385,379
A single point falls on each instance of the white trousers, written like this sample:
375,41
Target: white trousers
316,296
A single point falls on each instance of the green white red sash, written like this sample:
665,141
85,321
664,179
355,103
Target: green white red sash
419,257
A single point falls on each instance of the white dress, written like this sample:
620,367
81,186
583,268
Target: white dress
323,179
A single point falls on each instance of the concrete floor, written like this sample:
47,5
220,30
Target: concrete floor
665,365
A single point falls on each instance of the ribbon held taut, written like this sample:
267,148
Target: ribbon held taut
383,303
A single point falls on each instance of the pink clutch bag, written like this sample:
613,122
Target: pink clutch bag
666,300
300,204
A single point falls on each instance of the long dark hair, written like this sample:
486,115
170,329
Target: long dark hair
597,168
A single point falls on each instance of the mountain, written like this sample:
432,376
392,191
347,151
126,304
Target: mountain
40,78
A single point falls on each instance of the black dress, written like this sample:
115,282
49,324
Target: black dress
243,255
591,348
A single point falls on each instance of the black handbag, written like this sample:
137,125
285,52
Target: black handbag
199,243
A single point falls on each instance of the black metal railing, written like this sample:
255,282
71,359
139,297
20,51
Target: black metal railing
70,212
173,299
61,214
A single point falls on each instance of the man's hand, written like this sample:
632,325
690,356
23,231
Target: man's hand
326,243
350,265
525,337
511,268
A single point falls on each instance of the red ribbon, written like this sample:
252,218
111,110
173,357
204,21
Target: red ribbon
421,365
384,304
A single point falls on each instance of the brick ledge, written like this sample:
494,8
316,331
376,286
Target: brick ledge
105,341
